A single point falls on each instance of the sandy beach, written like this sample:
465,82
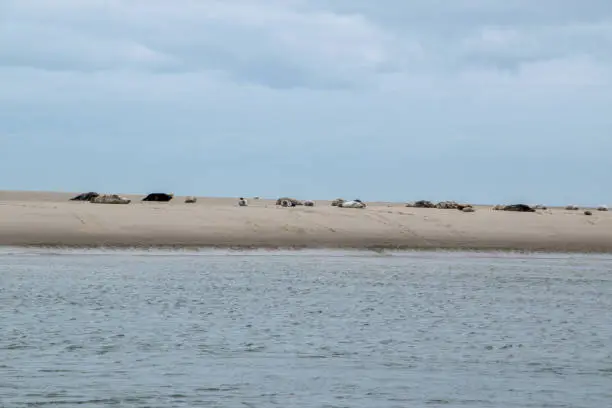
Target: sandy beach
50,219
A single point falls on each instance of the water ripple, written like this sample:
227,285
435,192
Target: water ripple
155,329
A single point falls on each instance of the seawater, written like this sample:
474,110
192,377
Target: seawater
304,329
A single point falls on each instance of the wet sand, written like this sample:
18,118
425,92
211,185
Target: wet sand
50,219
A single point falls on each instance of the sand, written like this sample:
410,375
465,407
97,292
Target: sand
50,219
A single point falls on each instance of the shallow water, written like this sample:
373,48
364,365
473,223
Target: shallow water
304,329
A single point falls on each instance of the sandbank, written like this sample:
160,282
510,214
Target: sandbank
50,219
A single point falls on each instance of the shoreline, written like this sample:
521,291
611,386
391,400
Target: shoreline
448,254
164,243
525,249
49,220
246,249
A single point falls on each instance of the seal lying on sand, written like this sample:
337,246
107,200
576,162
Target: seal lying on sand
110,199
448,205
288,202
518,208
159,197
453,205
421,204
85,196
353,204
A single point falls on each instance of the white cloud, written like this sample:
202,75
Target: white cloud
318,44
271,43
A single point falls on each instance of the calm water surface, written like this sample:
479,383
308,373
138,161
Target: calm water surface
314,329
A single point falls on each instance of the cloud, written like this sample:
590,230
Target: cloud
318,44
298,89
271,43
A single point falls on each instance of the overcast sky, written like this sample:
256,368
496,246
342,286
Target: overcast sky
477,100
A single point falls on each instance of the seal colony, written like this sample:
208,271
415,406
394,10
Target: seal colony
94,219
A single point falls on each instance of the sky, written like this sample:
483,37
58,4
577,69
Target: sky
484,101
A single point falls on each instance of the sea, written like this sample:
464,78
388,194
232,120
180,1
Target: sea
100,328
